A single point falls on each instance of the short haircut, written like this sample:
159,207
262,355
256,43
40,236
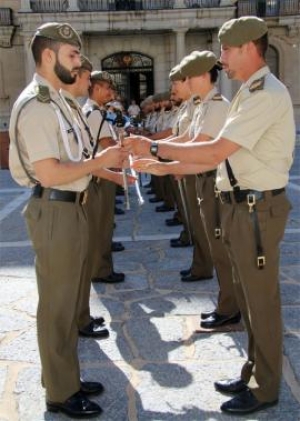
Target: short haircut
262,45
214,74
39,44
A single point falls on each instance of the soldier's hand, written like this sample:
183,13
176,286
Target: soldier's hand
137,145
150,166
113,156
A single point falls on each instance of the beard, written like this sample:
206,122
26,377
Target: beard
63,74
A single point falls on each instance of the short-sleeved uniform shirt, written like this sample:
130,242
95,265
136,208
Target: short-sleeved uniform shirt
185,116
210,115
92,110
39,135
261,121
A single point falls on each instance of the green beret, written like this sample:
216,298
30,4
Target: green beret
236,32
85,63
60,32
175,74
197,63
165,96
157,97
101,76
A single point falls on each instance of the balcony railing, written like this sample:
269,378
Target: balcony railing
268,8
99,5
5,16
49,6
191,4
54,6
262,8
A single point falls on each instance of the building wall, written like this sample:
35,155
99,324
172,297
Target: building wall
201,28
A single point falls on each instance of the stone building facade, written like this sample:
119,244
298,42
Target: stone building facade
139,41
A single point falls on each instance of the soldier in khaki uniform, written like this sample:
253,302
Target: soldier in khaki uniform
201,70
46,154
100,93
88,325
254,153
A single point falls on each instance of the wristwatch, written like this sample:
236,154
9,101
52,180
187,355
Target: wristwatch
154,148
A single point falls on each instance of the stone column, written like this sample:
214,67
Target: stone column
73,7
180,43
224,3
25,6
28,59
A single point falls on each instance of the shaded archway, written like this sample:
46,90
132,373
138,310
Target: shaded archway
133,74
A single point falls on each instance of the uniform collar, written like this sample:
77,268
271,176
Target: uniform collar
257,75
39,80
211,94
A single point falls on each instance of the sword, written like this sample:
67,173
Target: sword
185,210
120,132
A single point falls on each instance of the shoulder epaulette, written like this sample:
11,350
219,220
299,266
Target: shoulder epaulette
71,103
43,94
92,108
217,97
257,85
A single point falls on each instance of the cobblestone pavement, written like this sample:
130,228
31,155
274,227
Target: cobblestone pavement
154,366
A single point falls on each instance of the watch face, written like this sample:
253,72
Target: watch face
154,149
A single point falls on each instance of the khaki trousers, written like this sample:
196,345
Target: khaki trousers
202,262
59,234
210,208
104,235
93,252
257,291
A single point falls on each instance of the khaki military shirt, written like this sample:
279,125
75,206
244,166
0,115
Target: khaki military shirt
210,115
95,119
185,116
39,135
261,121
87,137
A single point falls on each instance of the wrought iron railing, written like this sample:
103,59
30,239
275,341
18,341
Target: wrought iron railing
49,6
268,8
5,16
201,3
263,8
99,5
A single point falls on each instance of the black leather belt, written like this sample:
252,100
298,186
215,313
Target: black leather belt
207,174
240,196
59,195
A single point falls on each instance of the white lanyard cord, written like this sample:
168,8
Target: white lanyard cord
64,135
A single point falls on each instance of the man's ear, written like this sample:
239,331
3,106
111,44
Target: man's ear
48,55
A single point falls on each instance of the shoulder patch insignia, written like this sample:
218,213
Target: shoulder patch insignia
217,97
71,103
257,85
43,94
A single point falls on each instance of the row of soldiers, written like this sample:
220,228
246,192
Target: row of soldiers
241,154
65,161
178,116
69,155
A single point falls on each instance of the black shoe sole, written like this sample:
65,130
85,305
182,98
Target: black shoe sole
230,321
57,408
260,407
100,335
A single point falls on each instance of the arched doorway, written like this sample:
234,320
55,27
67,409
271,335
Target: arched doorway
133,74
272,59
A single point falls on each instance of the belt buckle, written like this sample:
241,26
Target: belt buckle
84,197
216,191
251,201
217,233
261,262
